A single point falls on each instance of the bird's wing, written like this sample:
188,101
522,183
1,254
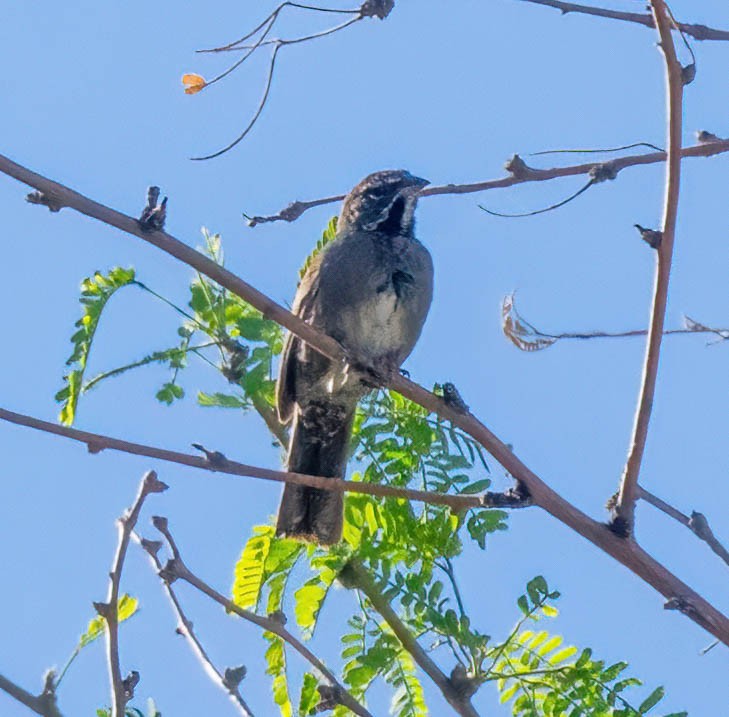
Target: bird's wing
304,307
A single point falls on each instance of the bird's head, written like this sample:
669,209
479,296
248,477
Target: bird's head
384,201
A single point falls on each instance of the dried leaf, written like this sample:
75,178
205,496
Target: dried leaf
193,83
519,331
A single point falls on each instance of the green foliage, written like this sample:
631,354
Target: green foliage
309,698
329,234
96,291
127,607
219,329
410,550
542,677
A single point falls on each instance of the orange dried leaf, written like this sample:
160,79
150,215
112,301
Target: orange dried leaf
193,83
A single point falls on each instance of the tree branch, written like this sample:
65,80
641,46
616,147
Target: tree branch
355,576
624,510
176,569
698,32
218,463
43,704
230,687
520,173
626,552
697,523
122,689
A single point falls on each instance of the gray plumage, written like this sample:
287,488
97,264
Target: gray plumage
370,289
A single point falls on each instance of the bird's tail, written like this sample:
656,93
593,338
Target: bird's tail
319,446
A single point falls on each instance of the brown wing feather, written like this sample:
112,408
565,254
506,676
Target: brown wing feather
304,307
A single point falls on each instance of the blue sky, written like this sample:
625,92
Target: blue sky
448,91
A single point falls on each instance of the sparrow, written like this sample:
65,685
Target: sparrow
369,288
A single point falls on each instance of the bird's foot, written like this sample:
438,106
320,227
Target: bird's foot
377,373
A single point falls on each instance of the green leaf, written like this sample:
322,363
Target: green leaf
127,607
249,570
309,695
652,700
221,400
276,660
96,291
169,393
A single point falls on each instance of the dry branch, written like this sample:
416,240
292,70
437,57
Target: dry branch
187,630
624,510
695,30
43,704
696,522
354,575
218,463
626,552
519,174
175,569
122,689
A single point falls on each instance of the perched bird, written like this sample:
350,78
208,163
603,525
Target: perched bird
370,288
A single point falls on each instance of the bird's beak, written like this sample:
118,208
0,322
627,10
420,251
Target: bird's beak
417,184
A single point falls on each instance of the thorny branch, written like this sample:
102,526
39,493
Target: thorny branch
223,680
519,173
216,462
122,689
355,576
175,569
369,8
43,704
696,522
698,32
626,552
624,510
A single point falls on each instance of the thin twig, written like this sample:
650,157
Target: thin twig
187,631
97,442
697,31
355,576
176,569
628,553
696,523
624,510
256,114
526,174
122,689
277,43
43,704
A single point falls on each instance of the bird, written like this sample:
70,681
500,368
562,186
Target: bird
370,288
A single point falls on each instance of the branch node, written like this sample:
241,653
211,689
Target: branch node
154,214
705,137
376,8
278,616
45,199
517,167
94,448
464,685
331,696
215,458
152,484
652,237
151,546
172,570
233,676
453,398
620,526
688,73
103,608
682,604
606,171
129,683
